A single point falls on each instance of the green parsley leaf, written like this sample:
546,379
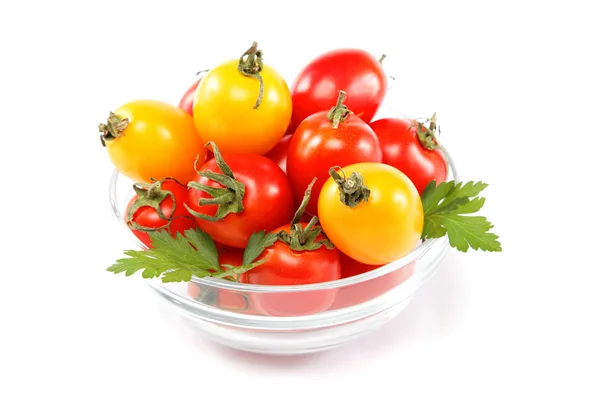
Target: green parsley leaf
446,207
177,259
174,259
257,243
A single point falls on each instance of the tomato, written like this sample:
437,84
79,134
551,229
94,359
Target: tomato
187,100
150,139
284,266
318,144
411,147
166,197
225,299
257,197
279,153
364,291
354,71
376,221
229,111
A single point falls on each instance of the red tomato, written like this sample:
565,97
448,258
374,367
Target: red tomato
368,290
225,299
354,71
284,266
416,154
187,100
258,198
318,145
279,152
168,196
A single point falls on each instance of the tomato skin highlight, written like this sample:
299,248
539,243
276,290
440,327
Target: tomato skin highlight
187,100
316,146
224,110
354,71
381,230
402,149
268,201
284,266
148,217
279,153
160,141
359,293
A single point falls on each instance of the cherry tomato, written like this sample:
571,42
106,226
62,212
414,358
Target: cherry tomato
318,144
279,153
259,197
187,100
354,71
361,292
284,266
150,139
229,110
225,299
166,197
412,149
378,219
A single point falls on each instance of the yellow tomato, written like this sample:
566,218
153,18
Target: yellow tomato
226,111
150,139
383,228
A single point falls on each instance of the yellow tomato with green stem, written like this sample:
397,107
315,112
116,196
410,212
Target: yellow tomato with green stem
243,105
371,212
151,139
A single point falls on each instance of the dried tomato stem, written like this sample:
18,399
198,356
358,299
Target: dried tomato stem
352,190
114,127
251,65
427,134
340,112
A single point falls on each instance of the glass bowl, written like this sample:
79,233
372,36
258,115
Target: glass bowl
297,319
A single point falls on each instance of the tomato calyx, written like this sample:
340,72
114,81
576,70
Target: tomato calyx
150,196
228,198
339,112
352,189
427,134
113,128
251,65
301,237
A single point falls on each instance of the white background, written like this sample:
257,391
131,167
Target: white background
515,84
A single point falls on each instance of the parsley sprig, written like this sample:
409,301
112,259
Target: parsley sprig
176,259
447,206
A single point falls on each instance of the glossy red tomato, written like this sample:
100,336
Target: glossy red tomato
225,299
409,147
364,291
166,197
280,151
257,197
318,145
354,71
284,266
187,100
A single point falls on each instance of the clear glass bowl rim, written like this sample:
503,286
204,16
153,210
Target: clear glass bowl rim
417,253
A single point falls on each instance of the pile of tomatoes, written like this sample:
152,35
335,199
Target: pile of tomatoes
243,152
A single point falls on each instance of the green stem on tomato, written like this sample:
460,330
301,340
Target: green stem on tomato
150,196
300,237
228,198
